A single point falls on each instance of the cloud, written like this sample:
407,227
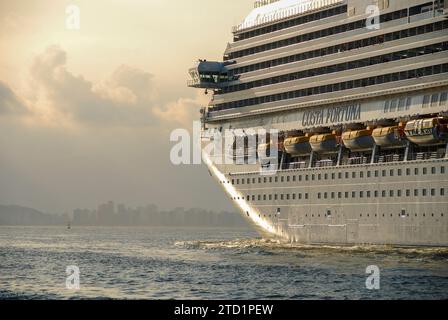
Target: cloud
9,102
123,99
181,112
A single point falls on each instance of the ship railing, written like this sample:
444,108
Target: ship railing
325,163
390,158
297,165
427,155
193,82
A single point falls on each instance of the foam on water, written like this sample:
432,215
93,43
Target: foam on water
169,263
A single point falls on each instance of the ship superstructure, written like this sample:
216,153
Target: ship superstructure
358,92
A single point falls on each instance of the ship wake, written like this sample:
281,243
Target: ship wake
272,245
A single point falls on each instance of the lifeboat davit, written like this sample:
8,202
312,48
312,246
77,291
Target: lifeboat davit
426,132
324,143
358,140
388,137
298,146
265,149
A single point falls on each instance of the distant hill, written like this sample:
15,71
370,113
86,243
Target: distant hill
13,215
16,215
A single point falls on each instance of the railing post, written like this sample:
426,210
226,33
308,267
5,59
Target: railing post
406,152
311,159
446,151
374,152
338,163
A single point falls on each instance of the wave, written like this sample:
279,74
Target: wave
278,245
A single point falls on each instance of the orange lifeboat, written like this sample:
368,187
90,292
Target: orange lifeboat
358,140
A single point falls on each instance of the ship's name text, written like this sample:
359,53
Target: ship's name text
331,115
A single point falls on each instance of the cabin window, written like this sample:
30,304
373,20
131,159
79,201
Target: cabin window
443,98
401,104
426,100
408,103
434,100
386,106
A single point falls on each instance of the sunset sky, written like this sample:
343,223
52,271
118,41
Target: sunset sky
85,115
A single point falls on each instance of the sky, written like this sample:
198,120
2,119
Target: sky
86,114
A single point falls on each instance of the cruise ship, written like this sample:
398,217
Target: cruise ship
353,98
